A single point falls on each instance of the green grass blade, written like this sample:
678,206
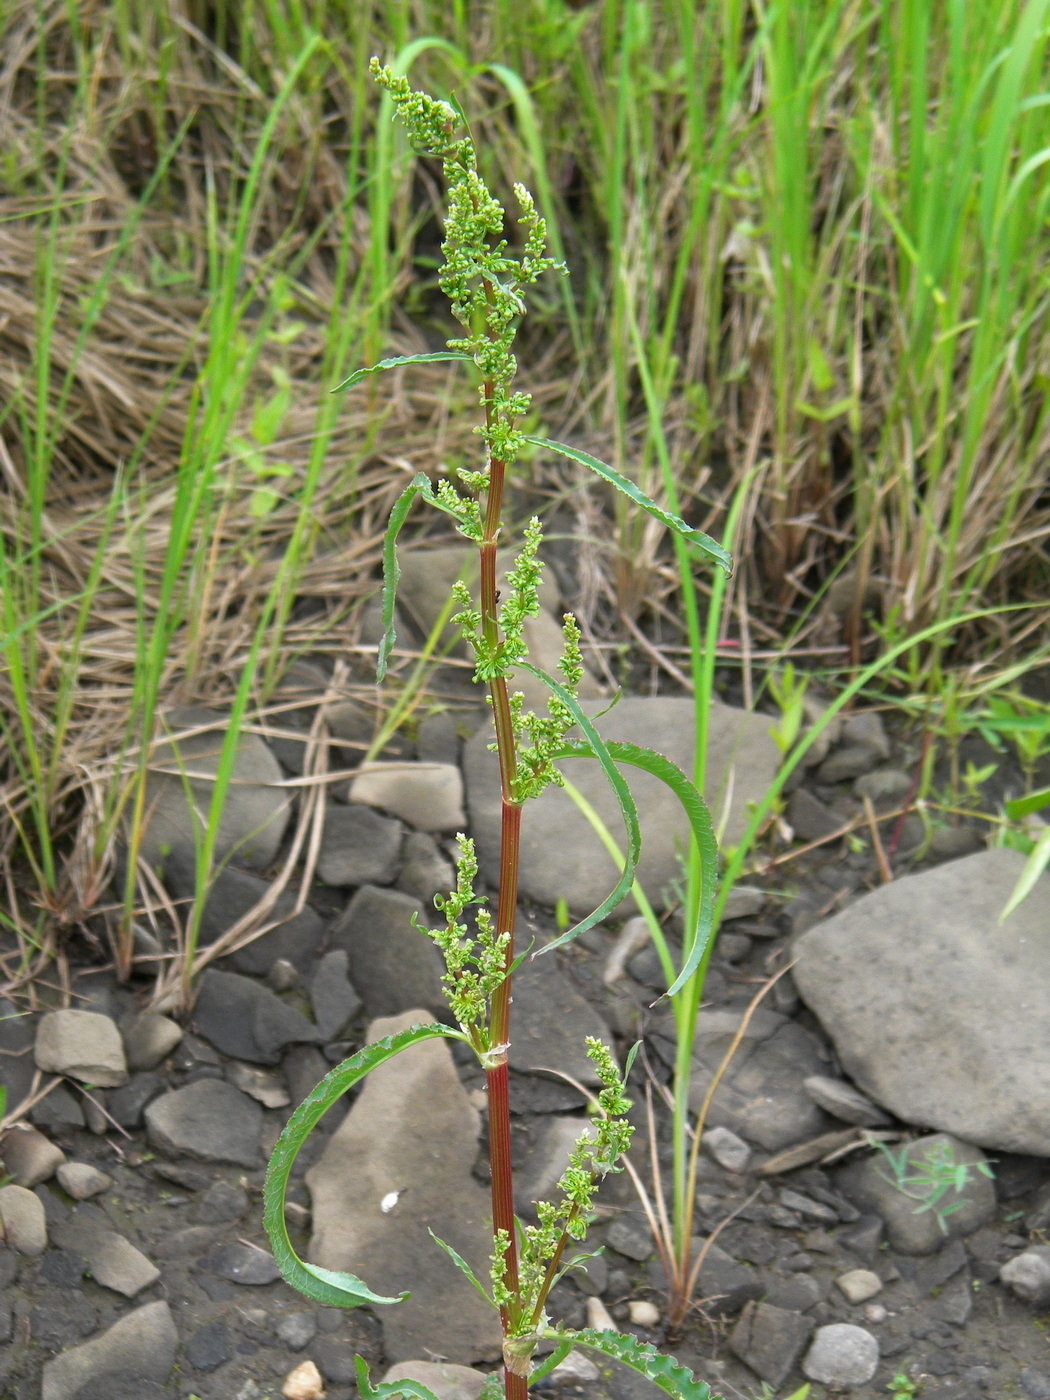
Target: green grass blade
323,1286
705,543
397,360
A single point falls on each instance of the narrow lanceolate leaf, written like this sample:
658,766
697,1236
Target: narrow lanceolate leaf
326,1286
597,747
462,1265
699,817
663,1371
1034,867
703,542
385,1390
545,1367
397,360
418,486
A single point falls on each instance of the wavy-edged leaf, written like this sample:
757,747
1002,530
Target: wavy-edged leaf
385,1390
704,543
326,1286
598,748
699,818
462,1265
663,1371
397,360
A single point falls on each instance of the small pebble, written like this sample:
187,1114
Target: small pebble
297,1329
727,1149
643,1313
874,1313
859,1285
304,1383
576,1367
598,1316
282,977
82,1181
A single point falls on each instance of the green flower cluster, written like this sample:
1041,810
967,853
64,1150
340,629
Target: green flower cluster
481,281
474,967
593,1158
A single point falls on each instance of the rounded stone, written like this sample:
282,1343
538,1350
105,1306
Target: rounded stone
82,1181
83,1045
841,1355
859,1285
22,1220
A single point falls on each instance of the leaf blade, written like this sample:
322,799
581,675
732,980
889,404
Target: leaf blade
704,543
642,1357
395,361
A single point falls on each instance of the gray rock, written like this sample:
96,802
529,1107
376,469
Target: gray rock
885,786
769,1340
797,1293
560,854
209,1346
428,796
538,1169
392,966
28,1155
22,1220
843,1101
425,871
296,1330
242,1263
867,728
142,1343
630,1235
550,1021
333,998
858,1285
264,1086
1028,1275
208,1120
842,1355
17,1033
761,1097
359,846
82,1045
412,1133
255,813
807,1207
116,1263
233,892
847,763
442,1379
437,740
303,1068
872,1186
1035,1383
82,1181
221,1203
924,1031
301,684
148,1039
248,1021
743,902
127,1104
59,1112
951,842
728,1150
809,818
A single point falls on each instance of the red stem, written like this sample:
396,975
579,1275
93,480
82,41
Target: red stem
497,1078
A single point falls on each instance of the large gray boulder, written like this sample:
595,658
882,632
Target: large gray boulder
937,1009
560,854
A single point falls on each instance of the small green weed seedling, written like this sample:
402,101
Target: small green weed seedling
486,287
902,1387
930,1179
